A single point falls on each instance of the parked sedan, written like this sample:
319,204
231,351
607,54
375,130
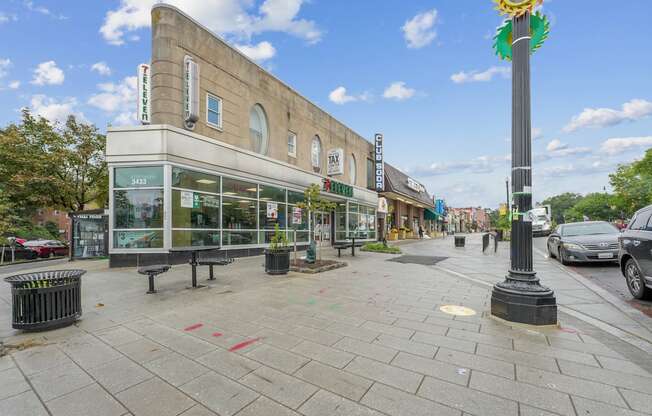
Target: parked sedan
636,254
20,253
583,242
48,248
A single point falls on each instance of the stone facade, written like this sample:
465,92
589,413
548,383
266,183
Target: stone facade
240,83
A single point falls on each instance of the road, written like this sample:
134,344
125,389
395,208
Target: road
16,268
606,275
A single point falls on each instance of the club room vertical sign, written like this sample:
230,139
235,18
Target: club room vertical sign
379,171
190,92
144,108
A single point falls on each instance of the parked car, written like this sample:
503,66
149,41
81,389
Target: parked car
20,252
48,248
636,254
582,242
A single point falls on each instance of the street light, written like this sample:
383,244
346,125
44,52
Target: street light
521,298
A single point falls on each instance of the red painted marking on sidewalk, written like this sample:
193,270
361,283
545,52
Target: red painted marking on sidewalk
569,330
193,327
243,344
322,290
217,334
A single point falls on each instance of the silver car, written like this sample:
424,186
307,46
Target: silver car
583,242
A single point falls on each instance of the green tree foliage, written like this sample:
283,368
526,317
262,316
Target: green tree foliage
632,185
595,207
559,204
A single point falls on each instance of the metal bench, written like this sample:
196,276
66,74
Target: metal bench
214,261
152,272
342,246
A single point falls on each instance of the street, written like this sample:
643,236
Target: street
607,275
31,265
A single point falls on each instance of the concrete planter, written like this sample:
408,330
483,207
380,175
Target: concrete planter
392,236
401,235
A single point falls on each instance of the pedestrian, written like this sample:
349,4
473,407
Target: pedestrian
420,233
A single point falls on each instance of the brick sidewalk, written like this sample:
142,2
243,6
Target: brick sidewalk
368,339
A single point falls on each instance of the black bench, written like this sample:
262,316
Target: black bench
343,246
152,272
214,261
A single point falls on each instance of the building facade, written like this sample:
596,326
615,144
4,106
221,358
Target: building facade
228,155
60,218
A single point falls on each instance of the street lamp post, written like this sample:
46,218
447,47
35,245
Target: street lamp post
521,298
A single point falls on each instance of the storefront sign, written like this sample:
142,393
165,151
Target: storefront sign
335,162
272,210
382,205
414,185
187,199
144,109
296,216
190,92
378,163
338,188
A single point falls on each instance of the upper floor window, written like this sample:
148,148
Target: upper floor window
352,169
315,154
292,144
371,174
214,111
258,130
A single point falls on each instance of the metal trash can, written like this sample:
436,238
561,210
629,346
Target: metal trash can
460,241
45,300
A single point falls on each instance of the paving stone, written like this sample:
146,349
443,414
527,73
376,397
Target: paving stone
571,385
6,363
89,352
316,335
422,327
465,399
413,316
57,381
120,374
388,329
285,389
327,404
228,363
308,321
444,341
622,366
535,396
584,347
277,358
277,339
518,357
466,326
353,332
586,407
531,411
266,407
176,369
334,380
638,401
545,351
494,340
118,336
373,351
24,404
398,403
416,348
218,393
189,346
198,410
12,383
33,360
387,374
91,400
326,355
433,368
154,397
476,362
610,377
143,350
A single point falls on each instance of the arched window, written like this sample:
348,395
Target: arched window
258,131
352,169
315,154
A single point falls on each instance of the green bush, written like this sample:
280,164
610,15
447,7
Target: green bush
381,248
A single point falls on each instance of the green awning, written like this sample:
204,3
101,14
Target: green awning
430,214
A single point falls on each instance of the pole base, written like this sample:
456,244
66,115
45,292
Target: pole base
530,304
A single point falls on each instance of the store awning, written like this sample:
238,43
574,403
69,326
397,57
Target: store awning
430,214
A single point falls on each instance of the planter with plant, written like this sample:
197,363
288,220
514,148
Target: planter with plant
381,248
393,234
277,256
402,232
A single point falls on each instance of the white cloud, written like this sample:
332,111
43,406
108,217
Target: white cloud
225,17
101,68
420,30
4,17
484,76
127,118
481,164
14,85
116,98
398,91
633,110
53,110
47,73
339,96
260,52
555,144
537,133
42,10
5,64
622,144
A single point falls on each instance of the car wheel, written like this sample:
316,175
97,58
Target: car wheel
562,257
635,282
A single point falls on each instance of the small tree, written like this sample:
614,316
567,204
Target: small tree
313,203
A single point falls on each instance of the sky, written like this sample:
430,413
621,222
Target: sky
422,72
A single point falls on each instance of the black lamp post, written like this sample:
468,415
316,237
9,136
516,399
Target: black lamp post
521,298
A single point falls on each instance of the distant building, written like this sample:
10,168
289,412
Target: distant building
58,217
472,219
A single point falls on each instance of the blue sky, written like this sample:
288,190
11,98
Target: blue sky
421,72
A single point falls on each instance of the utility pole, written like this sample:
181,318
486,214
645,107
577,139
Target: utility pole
521,298
509,205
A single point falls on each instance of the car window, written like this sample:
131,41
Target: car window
649,224
588,228
640,221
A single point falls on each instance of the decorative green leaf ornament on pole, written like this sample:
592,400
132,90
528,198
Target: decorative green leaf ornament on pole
539,30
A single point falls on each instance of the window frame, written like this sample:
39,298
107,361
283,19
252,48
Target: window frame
265,133
316,139
220,111
292,135
353,169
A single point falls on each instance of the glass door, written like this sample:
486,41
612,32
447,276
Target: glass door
322,227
